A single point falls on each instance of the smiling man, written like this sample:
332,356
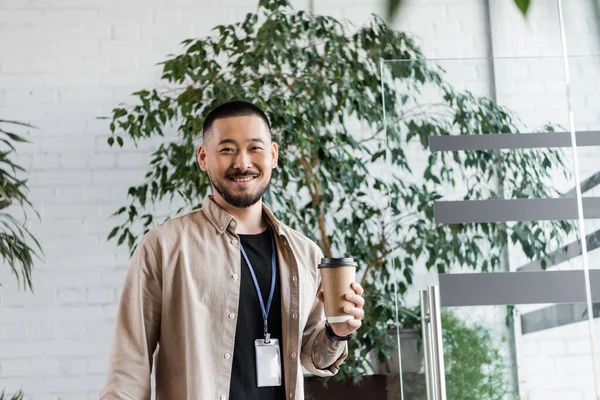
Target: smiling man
228,294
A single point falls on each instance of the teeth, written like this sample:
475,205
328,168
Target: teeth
243,179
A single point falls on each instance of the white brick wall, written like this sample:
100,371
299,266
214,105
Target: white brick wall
62,64
65,62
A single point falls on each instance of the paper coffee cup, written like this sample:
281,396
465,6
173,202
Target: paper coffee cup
337,277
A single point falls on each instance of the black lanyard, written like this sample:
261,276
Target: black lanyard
265,311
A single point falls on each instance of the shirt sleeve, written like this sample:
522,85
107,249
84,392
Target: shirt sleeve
314,325
137,328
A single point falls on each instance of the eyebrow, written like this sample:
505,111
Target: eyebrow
232,141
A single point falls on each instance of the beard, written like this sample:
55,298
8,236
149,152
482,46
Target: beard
240,200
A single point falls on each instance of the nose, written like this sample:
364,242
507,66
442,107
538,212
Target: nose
242,161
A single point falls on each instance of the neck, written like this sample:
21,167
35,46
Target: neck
250,220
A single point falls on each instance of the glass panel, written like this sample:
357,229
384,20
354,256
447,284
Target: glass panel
482,361
584,96
500,206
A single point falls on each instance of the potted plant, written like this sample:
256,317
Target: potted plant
318,80
385,323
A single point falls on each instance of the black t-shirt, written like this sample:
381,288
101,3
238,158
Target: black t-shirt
250,320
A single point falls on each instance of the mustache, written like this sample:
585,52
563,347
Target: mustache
243,174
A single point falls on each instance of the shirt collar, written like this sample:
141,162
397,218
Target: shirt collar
223,221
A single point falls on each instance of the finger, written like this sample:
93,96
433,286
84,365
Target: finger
358,289
355,323
356,299
358,313
320,296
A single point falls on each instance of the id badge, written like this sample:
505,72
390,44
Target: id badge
268,363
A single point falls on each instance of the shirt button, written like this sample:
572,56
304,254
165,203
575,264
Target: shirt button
233,241
291,395
231,316
234,276
294,316
227,356
294,278
294,356
232,223
223,397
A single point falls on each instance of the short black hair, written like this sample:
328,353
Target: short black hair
234,108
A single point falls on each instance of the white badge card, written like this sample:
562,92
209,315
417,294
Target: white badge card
268,363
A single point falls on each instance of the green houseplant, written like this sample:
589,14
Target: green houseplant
387,321
18,247
317,78
474,363
475,367
16,396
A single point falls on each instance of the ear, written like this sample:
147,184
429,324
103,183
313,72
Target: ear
202,157
274,154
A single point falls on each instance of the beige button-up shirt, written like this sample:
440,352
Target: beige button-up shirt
181,293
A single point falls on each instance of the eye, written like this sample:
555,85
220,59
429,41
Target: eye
257,148
226,150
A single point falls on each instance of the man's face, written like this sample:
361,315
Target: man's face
238,156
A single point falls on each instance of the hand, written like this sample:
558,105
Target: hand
357,312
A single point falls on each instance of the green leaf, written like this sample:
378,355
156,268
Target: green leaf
113,232
392,7
120,211
523,5
122,237
119,112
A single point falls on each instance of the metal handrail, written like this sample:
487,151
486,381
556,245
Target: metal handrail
431,326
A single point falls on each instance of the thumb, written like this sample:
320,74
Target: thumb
320,296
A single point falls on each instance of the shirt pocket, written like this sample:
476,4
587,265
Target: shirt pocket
308,294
